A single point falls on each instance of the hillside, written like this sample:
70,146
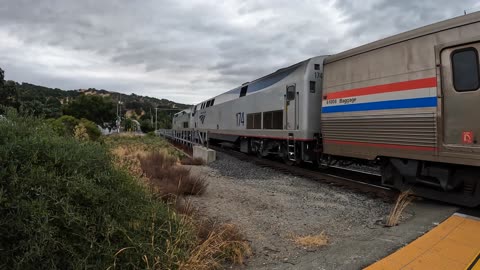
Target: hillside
52,102
27,91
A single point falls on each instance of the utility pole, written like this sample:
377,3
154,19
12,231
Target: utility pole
151,116
156,118
119,111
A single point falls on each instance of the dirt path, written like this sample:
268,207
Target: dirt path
272,208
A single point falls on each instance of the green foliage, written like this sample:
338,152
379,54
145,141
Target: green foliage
8,94
63,205
66,125
94,108
2,76
146,126
92,129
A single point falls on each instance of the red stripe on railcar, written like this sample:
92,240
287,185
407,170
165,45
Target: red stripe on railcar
385,88
263,136
383,145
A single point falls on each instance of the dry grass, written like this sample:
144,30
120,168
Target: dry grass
403,200
192,161
167,179
312,241
219,243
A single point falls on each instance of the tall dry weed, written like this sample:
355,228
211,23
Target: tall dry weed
403,200
222,243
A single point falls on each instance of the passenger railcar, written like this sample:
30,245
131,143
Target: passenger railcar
411,101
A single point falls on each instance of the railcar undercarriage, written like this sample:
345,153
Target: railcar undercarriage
444,182
438,181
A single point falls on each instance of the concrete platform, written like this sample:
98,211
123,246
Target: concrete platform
454,244
206,154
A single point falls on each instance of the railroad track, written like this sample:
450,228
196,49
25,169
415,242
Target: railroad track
349,179
354,180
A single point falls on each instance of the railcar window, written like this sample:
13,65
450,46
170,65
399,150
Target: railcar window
213,101
316,66
465,70
243,91
208,103
312,86
291,92
254,121
273,120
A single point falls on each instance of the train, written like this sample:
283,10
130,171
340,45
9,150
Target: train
408,104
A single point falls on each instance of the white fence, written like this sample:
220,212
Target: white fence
188,137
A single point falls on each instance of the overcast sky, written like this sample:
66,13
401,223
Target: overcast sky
187,51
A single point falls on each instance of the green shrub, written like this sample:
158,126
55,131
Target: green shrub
63,205
92,129
67,125
64,125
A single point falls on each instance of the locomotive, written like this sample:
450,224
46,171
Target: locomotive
408,104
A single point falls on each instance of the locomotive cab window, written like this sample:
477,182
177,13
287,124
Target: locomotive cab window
291,92
465,70
312,86
243,91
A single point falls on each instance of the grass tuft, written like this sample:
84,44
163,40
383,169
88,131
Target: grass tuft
312,241
403,200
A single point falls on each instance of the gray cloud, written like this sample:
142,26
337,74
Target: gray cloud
189,51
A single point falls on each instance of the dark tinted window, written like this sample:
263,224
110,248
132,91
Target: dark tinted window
465,70
213,102
316,66
291,92
312,86
243,91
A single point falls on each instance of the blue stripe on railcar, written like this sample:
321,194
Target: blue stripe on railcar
384,105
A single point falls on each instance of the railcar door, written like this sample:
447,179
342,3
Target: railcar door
461,98
291,107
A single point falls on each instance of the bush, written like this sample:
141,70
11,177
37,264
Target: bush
63,205
64,125
70,126
91,128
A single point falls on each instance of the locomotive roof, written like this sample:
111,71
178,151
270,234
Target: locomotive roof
415,33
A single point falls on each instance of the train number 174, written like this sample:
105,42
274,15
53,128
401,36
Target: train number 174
240,119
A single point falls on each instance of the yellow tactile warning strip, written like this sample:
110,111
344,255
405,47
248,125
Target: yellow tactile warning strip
454,244
475,264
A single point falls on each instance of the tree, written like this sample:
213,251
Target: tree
94,108
8,94
2,76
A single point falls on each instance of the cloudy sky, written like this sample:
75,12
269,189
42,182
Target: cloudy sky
188,51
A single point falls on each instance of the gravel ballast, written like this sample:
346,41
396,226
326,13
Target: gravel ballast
273,208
